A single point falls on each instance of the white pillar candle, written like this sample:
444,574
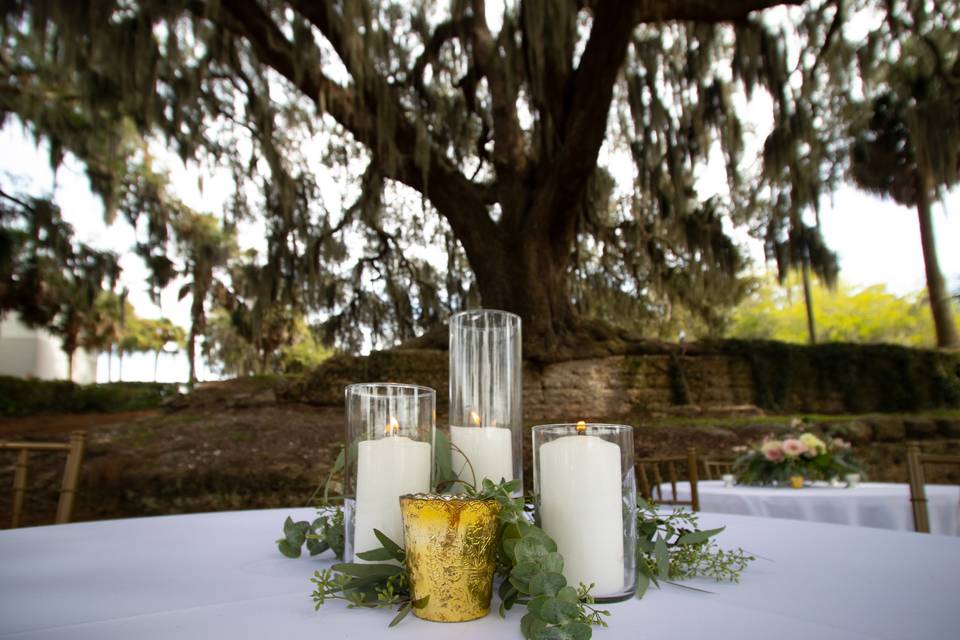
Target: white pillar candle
489,450
386,469
581,509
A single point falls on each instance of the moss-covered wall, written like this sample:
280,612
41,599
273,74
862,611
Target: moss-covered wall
776,377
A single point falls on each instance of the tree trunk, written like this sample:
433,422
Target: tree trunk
70,365
808,299
110,364
191,356
526,273
120,365
943,322
156,361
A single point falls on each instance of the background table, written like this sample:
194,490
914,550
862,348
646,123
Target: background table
873,504
220,576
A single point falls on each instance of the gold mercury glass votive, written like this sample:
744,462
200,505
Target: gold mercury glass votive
796,482
450,543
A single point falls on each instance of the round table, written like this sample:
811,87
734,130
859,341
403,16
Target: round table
219,575
872,504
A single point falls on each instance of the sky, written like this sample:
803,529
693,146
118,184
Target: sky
877,241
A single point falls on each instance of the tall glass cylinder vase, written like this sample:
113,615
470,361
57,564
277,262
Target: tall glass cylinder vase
486,396
389,437
586,498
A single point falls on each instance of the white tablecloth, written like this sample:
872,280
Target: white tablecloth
219,576
873,504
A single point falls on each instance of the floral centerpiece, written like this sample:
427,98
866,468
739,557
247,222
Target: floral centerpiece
807,456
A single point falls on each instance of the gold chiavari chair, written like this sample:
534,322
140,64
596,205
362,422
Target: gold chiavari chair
918,494
71,473
715,469
654,473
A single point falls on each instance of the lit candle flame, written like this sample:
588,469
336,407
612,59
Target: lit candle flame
581,428
392,427
474,418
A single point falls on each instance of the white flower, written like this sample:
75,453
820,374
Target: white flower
793,448
813,444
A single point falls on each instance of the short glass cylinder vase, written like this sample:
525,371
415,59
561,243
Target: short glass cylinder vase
389,436
586,497
451,548
486,397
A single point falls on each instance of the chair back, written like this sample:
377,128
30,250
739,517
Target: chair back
916,460
68,484
654,473
715,469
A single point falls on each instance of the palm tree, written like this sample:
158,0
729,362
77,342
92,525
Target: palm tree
105,330
907,146
207,246
163,333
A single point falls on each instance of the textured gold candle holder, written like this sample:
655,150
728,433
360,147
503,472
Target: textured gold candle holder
796,482
450,544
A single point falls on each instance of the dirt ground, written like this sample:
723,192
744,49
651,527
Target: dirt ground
235,447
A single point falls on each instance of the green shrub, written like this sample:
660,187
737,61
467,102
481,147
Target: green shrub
882,377
24,397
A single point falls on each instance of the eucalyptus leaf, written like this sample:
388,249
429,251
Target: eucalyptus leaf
392,547
568,631
375,555
553,562
442,463
337,467
401,614
530,531
535,605
696,537
358,570
662,556
508,596
643,583
288,549
530,549
316,547
531,626
295,532
568,594
547,583
557,611
521,575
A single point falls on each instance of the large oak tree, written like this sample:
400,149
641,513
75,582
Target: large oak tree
497,116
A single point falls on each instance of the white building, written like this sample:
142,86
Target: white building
35,353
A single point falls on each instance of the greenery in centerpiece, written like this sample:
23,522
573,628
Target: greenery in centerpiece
672,547
776,461
530,569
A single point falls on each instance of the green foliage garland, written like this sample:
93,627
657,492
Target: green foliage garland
670,547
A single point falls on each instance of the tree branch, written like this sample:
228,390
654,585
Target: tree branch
590,93
459,200
509,156
702,10
443,33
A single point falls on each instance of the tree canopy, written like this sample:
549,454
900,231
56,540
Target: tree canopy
489,131
845,314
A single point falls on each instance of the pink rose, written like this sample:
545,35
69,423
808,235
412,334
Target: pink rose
772,451
793,448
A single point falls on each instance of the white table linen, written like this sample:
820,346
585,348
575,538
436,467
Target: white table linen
873,504
220,576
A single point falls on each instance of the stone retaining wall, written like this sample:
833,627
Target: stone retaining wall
691,379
